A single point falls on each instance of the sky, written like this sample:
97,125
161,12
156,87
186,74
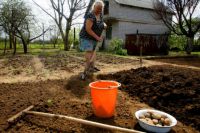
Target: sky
42,16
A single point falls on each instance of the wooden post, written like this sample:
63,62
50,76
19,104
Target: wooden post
140,45
141,55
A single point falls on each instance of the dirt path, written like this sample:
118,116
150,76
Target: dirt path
38,71
38,66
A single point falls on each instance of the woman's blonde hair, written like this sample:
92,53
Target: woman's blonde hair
97,2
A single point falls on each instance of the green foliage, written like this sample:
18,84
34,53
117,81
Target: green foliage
49,103
76,45
115,46
72,40
176,41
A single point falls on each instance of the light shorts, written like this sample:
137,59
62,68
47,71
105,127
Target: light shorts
87,44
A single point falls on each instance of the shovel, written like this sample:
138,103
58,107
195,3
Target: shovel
87,71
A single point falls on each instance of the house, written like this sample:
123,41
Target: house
134,22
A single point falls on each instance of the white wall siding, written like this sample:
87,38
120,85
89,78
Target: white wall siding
122,28
129,19
131,13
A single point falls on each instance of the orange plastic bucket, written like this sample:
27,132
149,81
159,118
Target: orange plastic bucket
104,96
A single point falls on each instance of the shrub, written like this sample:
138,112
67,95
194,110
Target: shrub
178,42
115,46
76,45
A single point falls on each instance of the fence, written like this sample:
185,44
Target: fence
150,43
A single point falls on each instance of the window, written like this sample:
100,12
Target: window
109,32
106,7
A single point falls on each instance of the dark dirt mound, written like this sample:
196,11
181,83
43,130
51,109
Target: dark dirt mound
170,89
195,61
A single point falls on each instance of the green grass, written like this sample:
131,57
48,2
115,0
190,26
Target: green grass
48,49
182,53
34,46
33,49
196,53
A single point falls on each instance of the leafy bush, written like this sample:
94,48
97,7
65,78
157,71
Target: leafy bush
177,42
115,46
76,45
122,52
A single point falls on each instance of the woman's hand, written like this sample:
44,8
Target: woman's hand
99,39
105,25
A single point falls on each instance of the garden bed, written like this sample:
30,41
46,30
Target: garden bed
189,61
169,89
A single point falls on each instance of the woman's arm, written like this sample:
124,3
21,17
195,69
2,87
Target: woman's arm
89,30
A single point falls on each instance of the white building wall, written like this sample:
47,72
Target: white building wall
129,19
132,13
120,29
131,28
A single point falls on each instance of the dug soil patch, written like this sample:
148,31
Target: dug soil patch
170,89
195,61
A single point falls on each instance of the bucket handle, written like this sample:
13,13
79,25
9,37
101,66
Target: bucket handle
110,87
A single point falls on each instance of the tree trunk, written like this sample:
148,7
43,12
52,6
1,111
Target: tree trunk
24,45
189,47
66,40
5,46
66,44
10,40
14,45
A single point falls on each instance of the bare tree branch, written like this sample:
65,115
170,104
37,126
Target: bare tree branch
184,11
44,10
38,35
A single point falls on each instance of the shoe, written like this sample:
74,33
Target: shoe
83,76
96,69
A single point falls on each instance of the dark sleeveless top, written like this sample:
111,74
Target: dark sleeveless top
97,26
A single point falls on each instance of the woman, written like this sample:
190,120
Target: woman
91,33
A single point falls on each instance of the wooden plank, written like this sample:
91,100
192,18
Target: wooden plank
18,115
86,122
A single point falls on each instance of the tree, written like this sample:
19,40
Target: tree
16,19
89,6
184,12
60,7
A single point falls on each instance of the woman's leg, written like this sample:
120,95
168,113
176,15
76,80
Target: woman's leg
88,55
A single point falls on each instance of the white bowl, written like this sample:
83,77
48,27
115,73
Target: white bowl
153,128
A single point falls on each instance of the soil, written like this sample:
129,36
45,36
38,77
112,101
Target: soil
195,61
170,89
56,78
61,62
16,65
